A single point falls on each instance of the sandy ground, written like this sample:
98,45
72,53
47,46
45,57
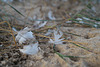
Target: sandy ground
89,38
47,58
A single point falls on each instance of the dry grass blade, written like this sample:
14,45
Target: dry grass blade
10,30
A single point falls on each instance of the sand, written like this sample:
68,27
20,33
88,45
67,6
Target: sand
46,57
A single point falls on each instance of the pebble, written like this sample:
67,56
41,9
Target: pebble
3,62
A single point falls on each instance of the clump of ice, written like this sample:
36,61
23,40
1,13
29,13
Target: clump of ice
7,0
80,20
48,32
85,18
24,35
57,36
68,21
39,22
30,49
50,15
43,24
95,26
11,0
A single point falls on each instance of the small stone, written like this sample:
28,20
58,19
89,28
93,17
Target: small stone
3,62
14,60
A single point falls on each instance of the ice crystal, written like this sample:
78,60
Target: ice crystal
24,35
57,37
51,17
30,49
